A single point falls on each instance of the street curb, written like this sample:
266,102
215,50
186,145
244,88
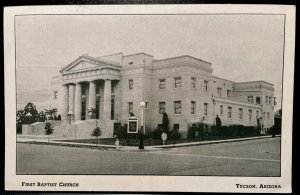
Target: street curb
147,148
213,142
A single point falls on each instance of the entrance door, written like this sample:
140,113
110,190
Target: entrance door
83,110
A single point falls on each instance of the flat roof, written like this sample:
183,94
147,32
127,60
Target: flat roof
183,57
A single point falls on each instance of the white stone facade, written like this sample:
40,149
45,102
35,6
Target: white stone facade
183,87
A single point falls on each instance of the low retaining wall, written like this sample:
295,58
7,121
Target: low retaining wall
77,130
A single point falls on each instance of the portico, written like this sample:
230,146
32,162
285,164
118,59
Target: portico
87,83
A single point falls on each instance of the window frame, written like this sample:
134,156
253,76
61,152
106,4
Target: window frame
130,84
175,108
159,107
241,113
193,82
193,107
160,84
130,107
175,83
229,112
205,109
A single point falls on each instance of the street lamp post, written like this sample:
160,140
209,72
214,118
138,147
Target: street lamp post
141,146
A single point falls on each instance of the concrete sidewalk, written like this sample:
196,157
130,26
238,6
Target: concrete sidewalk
44,140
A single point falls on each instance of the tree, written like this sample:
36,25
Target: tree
50,112
48,129
93,114
218,121
96,133
165,122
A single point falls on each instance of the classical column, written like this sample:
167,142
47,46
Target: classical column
77,105
107,100
71,98
64,102
92,95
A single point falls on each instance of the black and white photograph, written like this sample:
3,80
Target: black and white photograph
149,98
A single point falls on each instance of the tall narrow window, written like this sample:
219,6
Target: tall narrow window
205,85
229,112
267,99
55,95
268,115
250,115
228,93
177,82
270,100
130,107
97,89
112,87
83,89
257,113
193,107
257,100
219,91
193,83
162,107
241,113
177,107
221,109
205,111
130,83
162,83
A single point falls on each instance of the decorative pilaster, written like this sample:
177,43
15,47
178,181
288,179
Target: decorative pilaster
64,102
92,95
107,100
77,105
71,98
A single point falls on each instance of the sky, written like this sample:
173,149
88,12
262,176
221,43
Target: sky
240,47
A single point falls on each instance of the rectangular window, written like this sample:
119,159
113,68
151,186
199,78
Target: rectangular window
177,82
130,63
219,91
147,105
130,107
205,85
162,107
257,113
250,99
241,113
270,100
250,115
257,100
228,93
267,99
193,107
193,83
55,95
205,109
229,112
221,109
130,84
177,107
162,83
176,127
268,115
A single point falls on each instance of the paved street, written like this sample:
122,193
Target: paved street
247,158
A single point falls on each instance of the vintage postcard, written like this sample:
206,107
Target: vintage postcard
164,98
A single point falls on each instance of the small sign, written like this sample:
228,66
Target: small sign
132,125
164,137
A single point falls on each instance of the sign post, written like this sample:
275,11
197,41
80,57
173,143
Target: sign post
164,137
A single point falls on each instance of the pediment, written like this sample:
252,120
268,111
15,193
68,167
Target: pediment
82,65
85,63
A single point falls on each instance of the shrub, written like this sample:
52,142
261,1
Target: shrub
59,117
156,134
48,129
174,134
191,134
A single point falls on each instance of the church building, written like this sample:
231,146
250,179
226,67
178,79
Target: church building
183,87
